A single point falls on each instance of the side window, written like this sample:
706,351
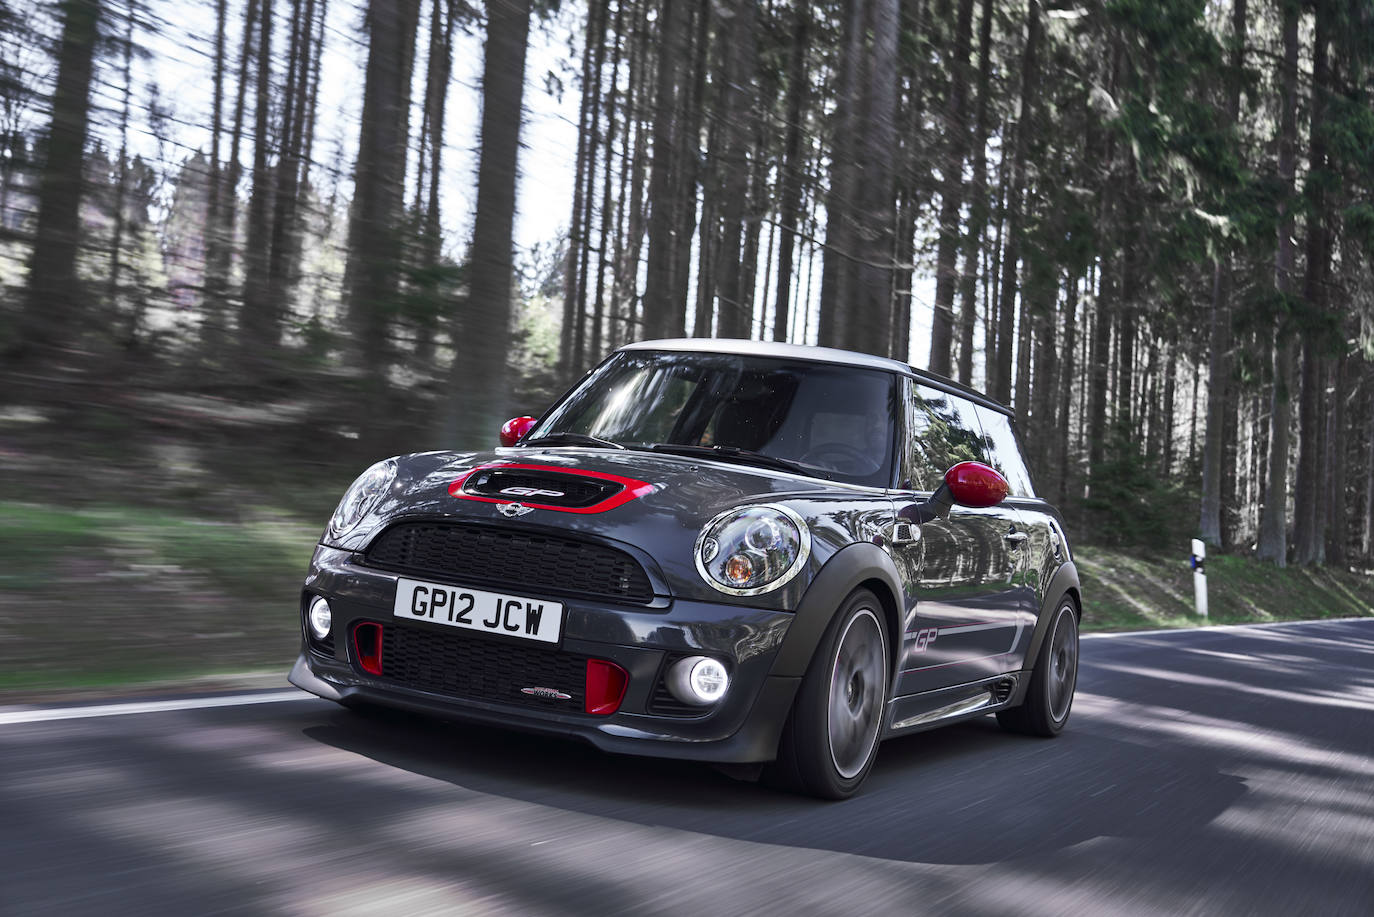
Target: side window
945,431
1004,452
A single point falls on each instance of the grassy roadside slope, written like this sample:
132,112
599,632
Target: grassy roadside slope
104,595
1131,590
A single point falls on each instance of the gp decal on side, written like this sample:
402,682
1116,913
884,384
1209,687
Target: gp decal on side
923,638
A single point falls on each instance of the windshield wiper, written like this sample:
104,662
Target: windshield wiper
740,455
573,439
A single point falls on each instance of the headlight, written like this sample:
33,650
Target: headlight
753,549
361,497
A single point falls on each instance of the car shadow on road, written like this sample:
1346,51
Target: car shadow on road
965,794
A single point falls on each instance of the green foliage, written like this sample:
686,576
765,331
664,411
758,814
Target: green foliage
1130,503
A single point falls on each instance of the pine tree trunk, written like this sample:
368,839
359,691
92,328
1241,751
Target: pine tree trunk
1061,458
689,156
122,180
285,245
438,70
951,194
1012,255
837,293
1309,537
479,409
1220,404
1337,512
978,208
664,312
1366,450
574,289
55,301
1167,413
216,254
1273,534
789,209
735,25
604,254
856,285
376,230
257,330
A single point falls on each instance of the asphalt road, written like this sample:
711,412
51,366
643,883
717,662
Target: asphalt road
1220,771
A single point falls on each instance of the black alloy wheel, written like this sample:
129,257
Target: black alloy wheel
831,736
1049,697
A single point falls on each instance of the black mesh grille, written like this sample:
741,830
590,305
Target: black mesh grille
462,666
570,490
514,560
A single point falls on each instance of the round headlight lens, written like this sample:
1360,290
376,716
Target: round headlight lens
753,549
361,497
321,617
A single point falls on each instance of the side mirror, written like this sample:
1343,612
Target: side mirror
513,430
970,484
977,485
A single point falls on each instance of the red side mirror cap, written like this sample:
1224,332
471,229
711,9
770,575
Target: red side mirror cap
977,485
513,430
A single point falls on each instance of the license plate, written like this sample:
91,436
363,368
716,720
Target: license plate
473,609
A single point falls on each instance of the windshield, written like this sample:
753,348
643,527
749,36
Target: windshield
833,421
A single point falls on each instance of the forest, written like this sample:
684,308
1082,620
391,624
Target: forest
1145,225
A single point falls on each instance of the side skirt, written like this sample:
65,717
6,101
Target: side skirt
917,712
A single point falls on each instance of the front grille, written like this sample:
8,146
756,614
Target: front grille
545,488
479,554
482,669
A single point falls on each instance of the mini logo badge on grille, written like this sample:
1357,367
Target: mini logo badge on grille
546,693
511,510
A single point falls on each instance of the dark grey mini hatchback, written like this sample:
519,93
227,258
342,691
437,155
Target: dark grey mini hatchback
760,555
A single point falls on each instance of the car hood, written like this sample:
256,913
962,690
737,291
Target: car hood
672,498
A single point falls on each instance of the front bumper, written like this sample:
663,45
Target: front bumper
744,727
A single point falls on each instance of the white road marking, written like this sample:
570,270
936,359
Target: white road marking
48,714
40,715
1214,628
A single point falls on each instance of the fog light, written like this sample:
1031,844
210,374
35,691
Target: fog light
698,680
321,618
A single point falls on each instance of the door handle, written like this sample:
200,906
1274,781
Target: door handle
1016,537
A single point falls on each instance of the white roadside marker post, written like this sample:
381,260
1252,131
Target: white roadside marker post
1199,561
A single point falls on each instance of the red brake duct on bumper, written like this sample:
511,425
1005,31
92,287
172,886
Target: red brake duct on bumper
606,684
367,644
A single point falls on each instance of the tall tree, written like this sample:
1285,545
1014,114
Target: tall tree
735,26
856,283
1309,535
484,336
974,241
257,329
951,193
54,302
1219,325
1016,179
789,208
665,307
216,246
376,241
1273,533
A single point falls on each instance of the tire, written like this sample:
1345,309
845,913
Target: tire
1049,698
830,739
